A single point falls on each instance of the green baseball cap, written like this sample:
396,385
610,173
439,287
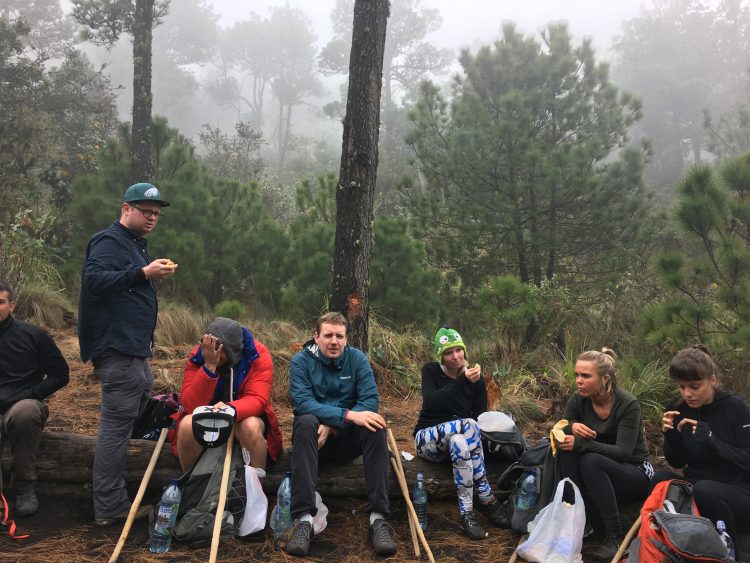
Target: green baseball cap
143,191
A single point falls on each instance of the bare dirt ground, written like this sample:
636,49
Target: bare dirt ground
63,531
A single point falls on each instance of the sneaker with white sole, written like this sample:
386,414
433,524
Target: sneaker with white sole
302,535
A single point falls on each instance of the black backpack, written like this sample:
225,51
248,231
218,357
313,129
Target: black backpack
508,446
539,458
200,497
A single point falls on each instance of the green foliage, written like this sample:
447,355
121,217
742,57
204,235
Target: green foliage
24,253
707,285
524,168
231,309
519,316
216,229
402,288
651,385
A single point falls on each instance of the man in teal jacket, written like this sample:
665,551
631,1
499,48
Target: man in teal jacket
336,418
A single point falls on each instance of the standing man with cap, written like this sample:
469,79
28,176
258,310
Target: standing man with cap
116,321
31,369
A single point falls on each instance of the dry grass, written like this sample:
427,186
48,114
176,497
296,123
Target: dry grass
44,306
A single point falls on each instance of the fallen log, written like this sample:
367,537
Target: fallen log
69,458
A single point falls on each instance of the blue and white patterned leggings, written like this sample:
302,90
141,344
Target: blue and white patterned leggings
461,440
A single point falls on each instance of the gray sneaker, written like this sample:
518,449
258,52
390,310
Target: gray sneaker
27,503
302,535
381,535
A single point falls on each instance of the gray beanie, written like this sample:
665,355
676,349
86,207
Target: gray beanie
230,333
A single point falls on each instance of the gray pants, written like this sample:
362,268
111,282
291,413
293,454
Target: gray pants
126,387
23,425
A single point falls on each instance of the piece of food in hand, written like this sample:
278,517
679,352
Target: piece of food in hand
476,366
171,264
557,430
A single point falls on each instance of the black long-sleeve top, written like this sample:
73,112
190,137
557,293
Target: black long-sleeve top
719,449
444,398
31,364
620,436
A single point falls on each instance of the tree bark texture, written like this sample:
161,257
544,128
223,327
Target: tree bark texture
141,164
69,458
355,193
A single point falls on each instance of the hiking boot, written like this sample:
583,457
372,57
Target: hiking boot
608,548
302,535
381,535
494,512
471,526
27,503
142,512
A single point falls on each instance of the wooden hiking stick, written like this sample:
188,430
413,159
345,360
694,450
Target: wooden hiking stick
222,500
628,538
399,471
405,491
139,496
398,468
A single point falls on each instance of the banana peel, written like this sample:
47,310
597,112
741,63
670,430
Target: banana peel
557,434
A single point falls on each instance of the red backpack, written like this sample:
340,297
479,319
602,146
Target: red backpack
672,530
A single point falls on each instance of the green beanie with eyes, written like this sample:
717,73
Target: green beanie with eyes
445,339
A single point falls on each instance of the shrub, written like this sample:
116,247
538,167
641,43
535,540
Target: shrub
231,309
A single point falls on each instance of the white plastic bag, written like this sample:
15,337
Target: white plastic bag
319,520
556,534
496,421
254,517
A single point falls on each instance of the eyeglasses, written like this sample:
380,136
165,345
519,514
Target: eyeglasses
147,213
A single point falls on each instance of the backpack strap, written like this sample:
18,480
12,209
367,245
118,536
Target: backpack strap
9,522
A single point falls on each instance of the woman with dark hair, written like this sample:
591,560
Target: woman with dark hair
604,452
707,434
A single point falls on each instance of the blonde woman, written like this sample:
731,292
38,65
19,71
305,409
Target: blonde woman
604,451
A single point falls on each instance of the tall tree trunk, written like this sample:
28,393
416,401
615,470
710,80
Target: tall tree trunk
355,193
141,165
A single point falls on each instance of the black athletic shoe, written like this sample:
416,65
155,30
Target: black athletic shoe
472,527
381,535
494,512
302,535
608,548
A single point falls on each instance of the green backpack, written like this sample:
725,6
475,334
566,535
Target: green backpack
200,497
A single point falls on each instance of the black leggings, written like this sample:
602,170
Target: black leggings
718,501
603,481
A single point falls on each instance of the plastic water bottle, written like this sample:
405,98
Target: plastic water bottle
527,496
419,500
282,514
161,538
721,527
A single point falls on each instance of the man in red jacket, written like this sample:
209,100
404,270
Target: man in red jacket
228,354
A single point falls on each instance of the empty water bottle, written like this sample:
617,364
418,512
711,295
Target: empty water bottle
161,537
281,520
419,500
528,495
721,527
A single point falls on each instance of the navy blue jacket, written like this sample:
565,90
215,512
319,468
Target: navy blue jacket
117,308
31,364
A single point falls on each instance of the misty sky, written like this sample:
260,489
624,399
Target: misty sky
467,21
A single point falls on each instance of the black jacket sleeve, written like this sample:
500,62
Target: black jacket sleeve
55,368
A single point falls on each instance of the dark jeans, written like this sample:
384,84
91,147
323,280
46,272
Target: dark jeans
717,501
349,442
23,425
126,387
603,482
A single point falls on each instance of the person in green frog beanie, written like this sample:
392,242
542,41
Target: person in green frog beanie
453,396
